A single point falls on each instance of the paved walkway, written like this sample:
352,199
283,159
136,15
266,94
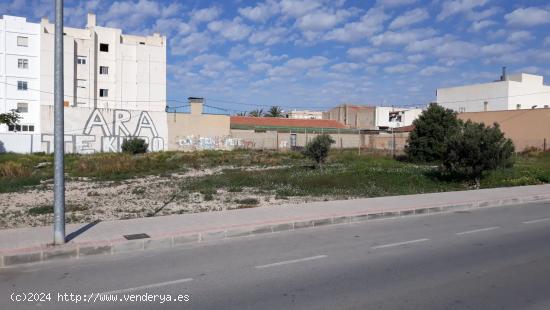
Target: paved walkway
167,230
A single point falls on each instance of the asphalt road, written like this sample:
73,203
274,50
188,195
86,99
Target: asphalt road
494,258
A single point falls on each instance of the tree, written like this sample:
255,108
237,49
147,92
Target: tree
427,142
241,113
274,111
318,149
256,113
134,146
475,149
9,118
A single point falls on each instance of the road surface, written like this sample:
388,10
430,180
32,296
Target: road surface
493,258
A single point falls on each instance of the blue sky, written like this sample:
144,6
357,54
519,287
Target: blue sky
316,54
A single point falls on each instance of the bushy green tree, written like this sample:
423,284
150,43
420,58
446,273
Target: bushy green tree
134,146
427,142
475,149
318,149
256,113
9,118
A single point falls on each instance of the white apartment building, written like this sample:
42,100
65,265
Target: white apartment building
395,117
106,69
511,92
20,79
305,114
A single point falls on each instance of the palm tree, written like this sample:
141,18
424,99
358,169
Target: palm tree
256,113
241,114
274,111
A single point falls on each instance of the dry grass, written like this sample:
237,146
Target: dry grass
11,169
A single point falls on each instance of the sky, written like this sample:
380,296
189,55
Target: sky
316,54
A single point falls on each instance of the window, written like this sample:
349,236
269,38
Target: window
462,109
103,47
103,70
103,92
22,107
142,43
485,106
80,60
22,85
80,83
22,41
518,106
23,128
22,63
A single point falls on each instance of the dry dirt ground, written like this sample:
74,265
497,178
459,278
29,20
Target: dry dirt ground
88,200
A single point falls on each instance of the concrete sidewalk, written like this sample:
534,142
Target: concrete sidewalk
27,245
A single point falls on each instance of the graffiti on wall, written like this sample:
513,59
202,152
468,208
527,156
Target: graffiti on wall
209,143
99,135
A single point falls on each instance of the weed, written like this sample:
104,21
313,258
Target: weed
247,201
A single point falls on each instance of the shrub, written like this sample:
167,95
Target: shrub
475,149
432,128
318,148
134,146
14,170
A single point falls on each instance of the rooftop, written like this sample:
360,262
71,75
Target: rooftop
248,121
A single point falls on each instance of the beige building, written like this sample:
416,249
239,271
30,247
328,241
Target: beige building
526,128
353,116
305,114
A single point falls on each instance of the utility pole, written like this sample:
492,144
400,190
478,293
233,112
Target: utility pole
59,130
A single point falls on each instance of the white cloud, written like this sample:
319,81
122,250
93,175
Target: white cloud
399,69
130,14
546,41
268,36
296,65
528,17
195,42
370,23
345,67
394,3
431,70
259,67
498,49
453,7
358,52
172,25
262,12
409,18
297,8
401,37
205,15
481,24
233,30
520,36
382,58
416,58
319,20
427,44
456,49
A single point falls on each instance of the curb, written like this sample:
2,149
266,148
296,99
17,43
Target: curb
76,250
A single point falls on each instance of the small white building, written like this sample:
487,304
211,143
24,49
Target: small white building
20,81
305,114
511,92
395,117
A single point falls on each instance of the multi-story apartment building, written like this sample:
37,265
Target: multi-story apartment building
106,69
20,76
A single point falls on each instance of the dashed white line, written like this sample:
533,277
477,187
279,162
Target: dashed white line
537,221
286,262
398,243
139,288
477,230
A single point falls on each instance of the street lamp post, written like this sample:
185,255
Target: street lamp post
59,143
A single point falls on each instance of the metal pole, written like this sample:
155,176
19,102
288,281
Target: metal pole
59,130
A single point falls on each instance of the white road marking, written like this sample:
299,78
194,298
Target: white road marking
286,262
139,288
476,230
537,221
398,243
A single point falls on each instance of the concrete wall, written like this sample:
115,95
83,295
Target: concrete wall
385,141
104,130
19,142
526,128
407,117
189,132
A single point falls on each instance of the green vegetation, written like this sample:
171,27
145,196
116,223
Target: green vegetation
18,171
134,146
318,149
476,149
432,129
350,175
